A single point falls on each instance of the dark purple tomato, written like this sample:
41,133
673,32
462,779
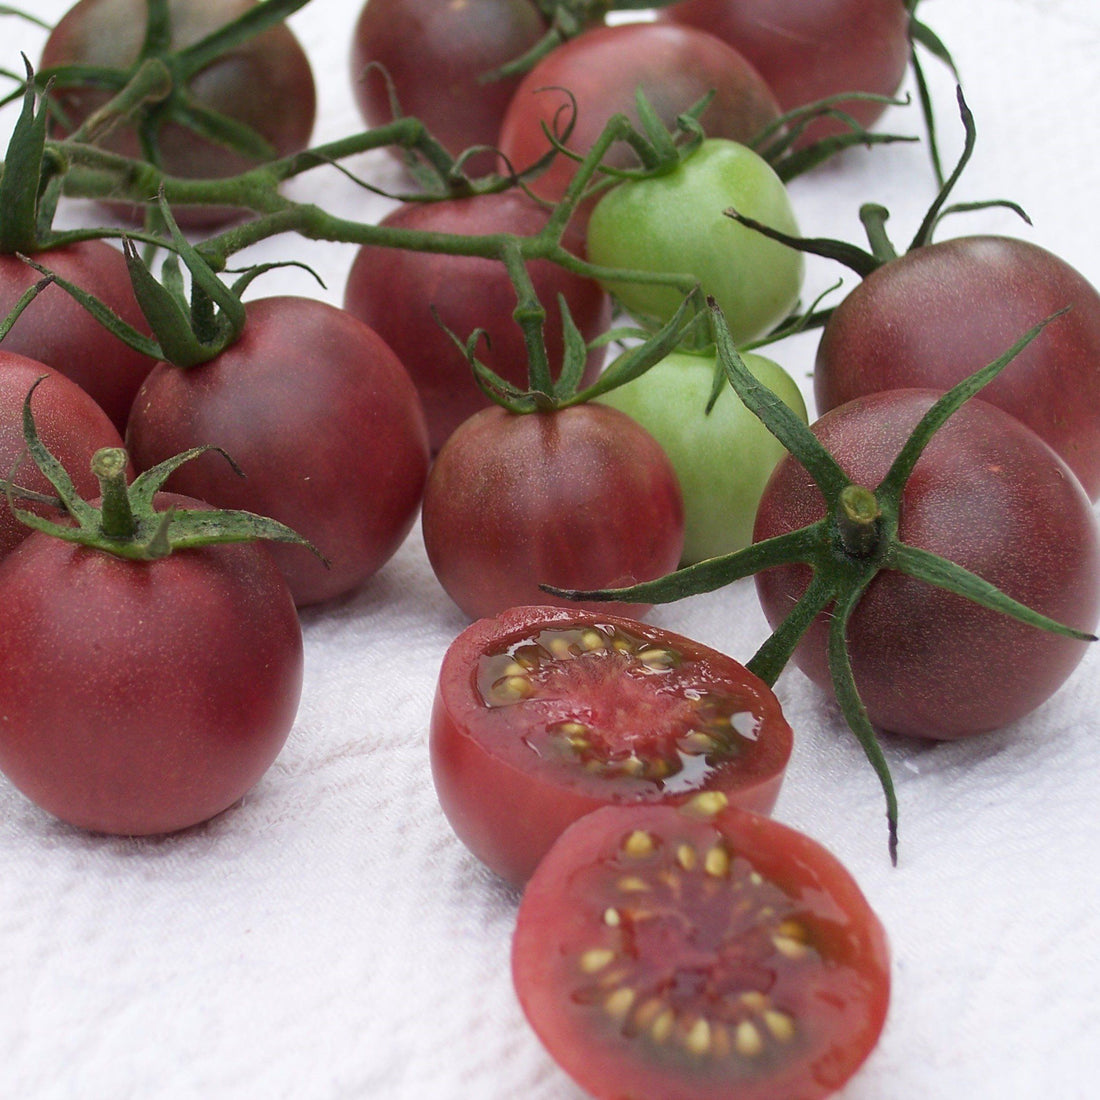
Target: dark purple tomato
322,418
71,425
56,330
265,83
945,310
434,54
988,494
581,498
142,697
808,51
408,296
544,714
603,68
699,953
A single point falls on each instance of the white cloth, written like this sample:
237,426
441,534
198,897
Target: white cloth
329,938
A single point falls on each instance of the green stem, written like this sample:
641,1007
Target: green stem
109,466
858,521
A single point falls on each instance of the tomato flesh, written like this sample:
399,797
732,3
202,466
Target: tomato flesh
670,953
544,714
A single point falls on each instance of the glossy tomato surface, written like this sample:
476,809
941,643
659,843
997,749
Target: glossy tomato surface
411,298
676,223
988,494
582,498
265,83
143,697
322,418
722,458
434,56
665,953
943,311
71,425
544,714
808,51
603,68
57,330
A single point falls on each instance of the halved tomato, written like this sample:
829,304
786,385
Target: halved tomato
699,952
544,714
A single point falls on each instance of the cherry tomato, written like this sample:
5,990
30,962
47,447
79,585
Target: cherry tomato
322,418
988,494
676,223
56,330
809,51
71,425
544,714
143,697
580,498
602,68
435,56
670,953
465,293
944,310
265,83
723,458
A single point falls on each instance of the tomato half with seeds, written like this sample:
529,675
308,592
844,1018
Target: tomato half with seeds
675,953
544,714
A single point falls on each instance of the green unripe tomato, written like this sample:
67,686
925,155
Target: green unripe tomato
723,459
676,223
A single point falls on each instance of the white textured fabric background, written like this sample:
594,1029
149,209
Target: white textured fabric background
329,938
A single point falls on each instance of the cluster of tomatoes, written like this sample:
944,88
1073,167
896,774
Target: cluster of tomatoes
673,941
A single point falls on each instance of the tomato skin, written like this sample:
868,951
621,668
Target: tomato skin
982,293
56,330
465,293
322,418
71,425
806,52
508,803
434,54
143,697
676,223
265,83
722,458
579,498
675,67
988,494
694,953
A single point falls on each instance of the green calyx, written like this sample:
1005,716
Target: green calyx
27,198
857,537
126,522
